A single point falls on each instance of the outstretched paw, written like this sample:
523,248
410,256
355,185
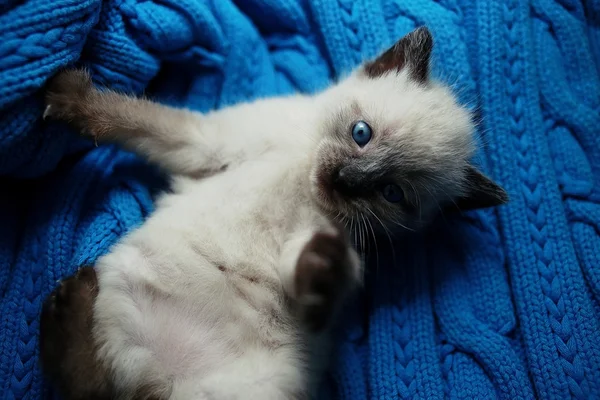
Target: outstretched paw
324,274
67,96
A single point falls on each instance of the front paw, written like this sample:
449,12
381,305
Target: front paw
325,273
68,94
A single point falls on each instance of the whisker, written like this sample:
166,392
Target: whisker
401,225
354,230
302,130
434,199
418,198
387,232
374,242
360,238
441,185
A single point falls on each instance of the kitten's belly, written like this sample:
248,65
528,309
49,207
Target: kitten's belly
174,323
192,318
194,288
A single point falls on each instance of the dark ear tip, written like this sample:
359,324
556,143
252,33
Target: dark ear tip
482,192
423,30
423,35
498,192
413,50
497,195
499,199
505,197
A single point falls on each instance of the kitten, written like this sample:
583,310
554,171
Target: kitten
227,291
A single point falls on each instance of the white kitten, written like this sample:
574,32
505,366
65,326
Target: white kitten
227,290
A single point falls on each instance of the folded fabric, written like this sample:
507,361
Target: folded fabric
500,303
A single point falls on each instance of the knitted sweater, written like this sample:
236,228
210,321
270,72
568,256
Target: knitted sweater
500,303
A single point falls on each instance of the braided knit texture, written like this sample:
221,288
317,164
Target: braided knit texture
501,303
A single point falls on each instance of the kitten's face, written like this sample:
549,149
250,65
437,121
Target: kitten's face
396,147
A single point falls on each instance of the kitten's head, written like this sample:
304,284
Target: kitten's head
397,146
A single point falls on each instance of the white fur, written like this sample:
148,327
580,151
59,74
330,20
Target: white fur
167,314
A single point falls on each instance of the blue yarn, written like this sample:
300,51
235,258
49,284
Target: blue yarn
501,303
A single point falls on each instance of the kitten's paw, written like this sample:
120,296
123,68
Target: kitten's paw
323,275
65,318
71,297
67,94
67,348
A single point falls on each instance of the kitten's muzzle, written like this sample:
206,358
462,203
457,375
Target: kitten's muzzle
349,182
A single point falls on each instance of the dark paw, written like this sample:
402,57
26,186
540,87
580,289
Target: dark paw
67,94
67,349
72,294
67,313
323,274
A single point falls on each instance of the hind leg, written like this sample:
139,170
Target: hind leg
68,352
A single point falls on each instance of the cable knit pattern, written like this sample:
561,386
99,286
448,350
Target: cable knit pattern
500,303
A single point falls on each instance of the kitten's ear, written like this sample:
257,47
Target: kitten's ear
413,51
482,192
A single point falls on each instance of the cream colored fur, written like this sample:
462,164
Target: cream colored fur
166,313
197,300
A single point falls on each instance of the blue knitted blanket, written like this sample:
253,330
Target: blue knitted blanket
501,303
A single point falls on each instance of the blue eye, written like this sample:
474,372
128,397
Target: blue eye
393,193
361,133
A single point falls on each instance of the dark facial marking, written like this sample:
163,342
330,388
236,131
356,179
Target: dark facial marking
348,182
356,180
413,51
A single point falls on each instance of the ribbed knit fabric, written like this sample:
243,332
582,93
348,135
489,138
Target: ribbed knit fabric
500,303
